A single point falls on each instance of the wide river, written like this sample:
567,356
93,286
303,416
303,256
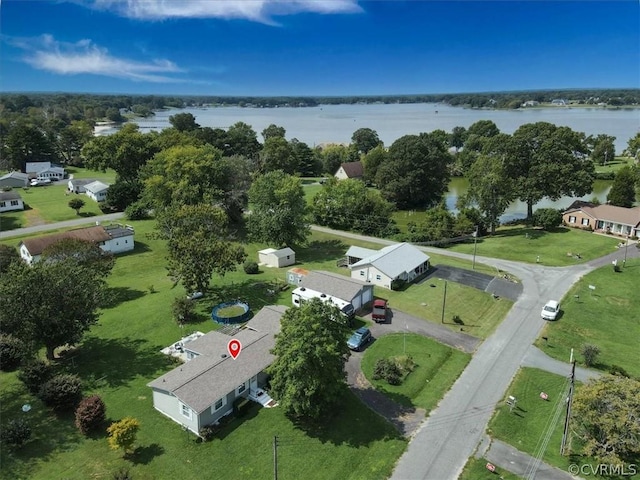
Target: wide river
336,124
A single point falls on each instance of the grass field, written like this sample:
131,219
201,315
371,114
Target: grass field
615,165
437,367
524,244
49,204
607,317
476,469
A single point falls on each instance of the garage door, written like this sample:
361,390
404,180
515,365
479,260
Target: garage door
367,295
357,300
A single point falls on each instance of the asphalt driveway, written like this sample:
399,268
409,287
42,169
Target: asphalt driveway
487,283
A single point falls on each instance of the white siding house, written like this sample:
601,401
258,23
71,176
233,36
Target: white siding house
401,261
202,390
351,290
353,170
277,258
97,190
10,201
42,170
14,180
111,238
76,185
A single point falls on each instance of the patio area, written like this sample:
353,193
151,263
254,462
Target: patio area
177,349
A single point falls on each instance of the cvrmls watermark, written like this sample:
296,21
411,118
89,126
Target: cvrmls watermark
604,469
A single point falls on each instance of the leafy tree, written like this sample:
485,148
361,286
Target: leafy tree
307,164
458,137
547,218
438,224
490,189
7,256
72,138
590,354
12,352
241,139
76,204
633,146
122,434
90,414
279,209
277,154
27,143
350,205
196,240
623,191
548,161
183,310
603,149
250,267
53,316
123,193
309,341
34,374
365,140
372,161
113,114
15,433
483,128
61,391
416,172
605,412
183,122
332,157
126,152
273,131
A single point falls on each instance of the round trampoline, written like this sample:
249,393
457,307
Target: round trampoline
231,312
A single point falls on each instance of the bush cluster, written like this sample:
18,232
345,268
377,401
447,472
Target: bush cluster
388,370
35,374
90,414
61,391
251,267
12,352
15,433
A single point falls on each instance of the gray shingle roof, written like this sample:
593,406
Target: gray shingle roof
394,260
333,284
96,186
10,196
200,382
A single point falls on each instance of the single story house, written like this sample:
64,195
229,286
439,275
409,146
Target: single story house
111,238
76,185
350,170
277,258
97,190
14,180
354,291
202,390
42,170
603,218
10,201
401,261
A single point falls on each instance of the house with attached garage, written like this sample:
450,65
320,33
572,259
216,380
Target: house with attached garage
111,238
351,290
202,390
96,190
10,201
44,170
603,218
76,185
400,262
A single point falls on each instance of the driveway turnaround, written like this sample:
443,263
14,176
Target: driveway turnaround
487,283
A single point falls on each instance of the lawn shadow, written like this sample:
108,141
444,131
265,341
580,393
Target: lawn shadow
115,362
236,422
10,222
86,214
117,295
321,251
139,247
355,425
255,294
144,455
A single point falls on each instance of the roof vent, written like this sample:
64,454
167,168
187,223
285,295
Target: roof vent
224,355
302,289
323,295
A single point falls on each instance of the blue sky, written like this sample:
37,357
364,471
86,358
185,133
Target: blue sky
316,47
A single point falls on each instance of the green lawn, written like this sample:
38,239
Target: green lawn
476,469
607,317
310,191
615,165
437,367
524,244
49,204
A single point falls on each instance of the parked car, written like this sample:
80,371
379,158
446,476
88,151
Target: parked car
359,339
36,182
379,311
550,310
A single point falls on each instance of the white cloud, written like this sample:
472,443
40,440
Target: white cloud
254,10
85,57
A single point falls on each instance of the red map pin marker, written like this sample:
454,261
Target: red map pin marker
233,347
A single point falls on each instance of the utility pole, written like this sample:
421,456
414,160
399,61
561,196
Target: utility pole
569,401
444,301
275,458
475,247
626,245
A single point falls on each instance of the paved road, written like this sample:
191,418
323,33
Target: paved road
536,358
18,232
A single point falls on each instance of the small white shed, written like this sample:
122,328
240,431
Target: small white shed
277,258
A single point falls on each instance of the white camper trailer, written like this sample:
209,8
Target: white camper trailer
302,294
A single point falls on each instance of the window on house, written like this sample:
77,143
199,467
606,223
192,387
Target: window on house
3,204
572,219
362,273
378,277
14,203
185,410
219,404
241,389
585,221
126,241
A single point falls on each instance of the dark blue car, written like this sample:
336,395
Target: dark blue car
359,339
